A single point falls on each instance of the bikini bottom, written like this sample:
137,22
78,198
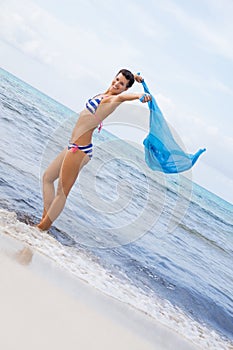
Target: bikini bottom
86,149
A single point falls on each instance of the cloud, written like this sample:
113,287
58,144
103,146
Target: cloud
145,23
72,50
204,82
214,33
220,86
19,28
219,147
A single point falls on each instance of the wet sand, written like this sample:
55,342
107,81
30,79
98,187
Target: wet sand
44,307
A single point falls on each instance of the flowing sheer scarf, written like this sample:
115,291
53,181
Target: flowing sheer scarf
162,153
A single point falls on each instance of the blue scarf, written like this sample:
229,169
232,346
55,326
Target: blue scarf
162,153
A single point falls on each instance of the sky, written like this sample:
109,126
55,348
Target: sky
72,49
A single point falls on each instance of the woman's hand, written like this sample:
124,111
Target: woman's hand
145,98
138,78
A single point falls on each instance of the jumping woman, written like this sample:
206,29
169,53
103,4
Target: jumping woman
67,165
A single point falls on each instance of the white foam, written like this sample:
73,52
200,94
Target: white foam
87,269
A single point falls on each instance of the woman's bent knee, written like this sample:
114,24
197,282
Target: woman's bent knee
47,178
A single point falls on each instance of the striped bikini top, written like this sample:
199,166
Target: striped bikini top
92,105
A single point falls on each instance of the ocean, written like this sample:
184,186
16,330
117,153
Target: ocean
160,243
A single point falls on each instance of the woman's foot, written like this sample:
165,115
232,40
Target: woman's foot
45,224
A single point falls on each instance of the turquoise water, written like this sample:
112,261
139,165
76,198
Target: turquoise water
165,237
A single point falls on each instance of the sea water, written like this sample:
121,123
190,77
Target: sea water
161,244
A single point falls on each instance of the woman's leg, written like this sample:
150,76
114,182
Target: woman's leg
50,175
71,166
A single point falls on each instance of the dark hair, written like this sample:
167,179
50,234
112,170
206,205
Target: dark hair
128,75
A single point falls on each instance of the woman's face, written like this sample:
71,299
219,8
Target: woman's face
119,84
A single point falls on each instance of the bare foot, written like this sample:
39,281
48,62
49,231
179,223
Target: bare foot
45,224
40,226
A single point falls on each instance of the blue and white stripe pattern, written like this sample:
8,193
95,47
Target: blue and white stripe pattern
86,149
93,103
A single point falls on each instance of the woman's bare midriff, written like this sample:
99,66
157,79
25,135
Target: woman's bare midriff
84,128
87,123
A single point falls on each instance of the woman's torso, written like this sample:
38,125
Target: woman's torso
88,121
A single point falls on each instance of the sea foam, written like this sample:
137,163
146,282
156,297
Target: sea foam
83,265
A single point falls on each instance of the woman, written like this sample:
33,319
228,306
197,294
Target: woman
70,161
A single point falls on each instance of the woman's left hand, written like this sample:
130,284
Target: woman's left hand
138,78
145,98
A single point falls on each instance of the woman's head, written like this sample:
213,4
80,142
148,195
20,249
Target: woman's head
122,81
128,75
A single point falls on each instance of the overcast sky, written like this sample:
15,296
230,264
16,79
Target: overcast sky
71,50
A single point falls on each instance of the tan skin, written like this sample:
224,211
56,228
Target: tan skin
67,165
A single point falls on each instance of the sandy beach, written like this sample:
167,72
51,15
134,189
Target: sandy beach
44,307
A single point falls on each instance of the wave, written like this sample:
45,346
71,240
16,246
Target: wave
149,276
10,107
213,214
81,263
199,235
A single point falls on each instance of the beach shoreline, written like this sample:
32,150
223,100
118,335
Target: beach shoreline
43,305
135,255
